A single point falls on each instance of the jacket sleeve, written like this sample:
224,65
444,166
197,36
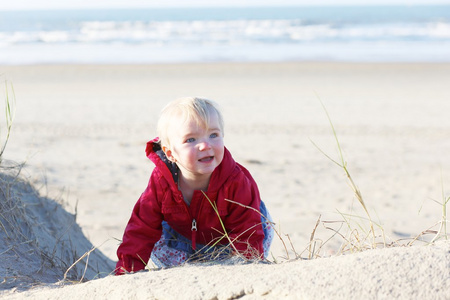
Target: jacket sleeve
244,220
143,230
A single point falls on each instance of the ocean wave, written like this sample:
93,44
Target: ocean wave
228,32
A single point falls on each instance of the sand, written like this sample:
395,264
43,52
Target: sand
82,130
413,273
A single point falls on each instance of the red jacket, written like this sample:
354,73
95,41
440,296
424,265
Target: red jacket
163,201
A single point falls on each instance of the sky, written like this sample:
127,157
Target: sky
92,4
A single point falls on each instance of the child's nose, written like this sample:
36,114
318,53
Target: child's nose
204,146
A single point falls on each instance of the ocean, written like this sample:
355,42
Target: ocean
250,34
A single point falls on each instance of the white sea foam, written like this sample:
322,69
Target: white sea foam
229,32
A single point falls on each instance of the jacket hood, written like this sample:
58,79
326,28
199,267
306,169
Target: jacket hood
170,171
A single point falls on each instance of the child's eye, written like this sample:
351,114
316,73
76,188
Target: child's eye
214,135
190,140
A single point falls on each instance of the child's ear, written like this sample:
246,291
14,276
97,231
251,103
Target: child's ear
168,153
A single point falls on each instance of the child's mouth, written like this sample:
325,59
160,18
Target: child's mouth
206,159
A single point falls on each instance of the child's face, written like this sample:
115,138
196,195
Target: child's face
196,150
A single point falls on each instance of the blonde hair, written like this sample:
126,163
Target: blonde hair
187,108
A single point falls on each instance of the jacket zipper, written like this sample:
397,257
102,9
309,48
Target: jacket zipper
194,233
194,224
194,220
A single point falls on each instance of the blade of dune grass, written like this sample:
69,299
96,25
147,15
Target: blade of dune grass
443,223
225,233
343,164
10,98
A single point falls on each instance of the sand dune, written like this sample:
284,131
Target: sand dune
396,273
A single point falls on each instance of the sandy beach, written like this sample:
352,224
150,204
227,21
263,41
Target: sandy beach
82,131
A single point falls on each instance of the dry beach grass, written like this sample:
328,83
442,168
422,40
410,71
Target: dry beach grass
392,133
40,240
